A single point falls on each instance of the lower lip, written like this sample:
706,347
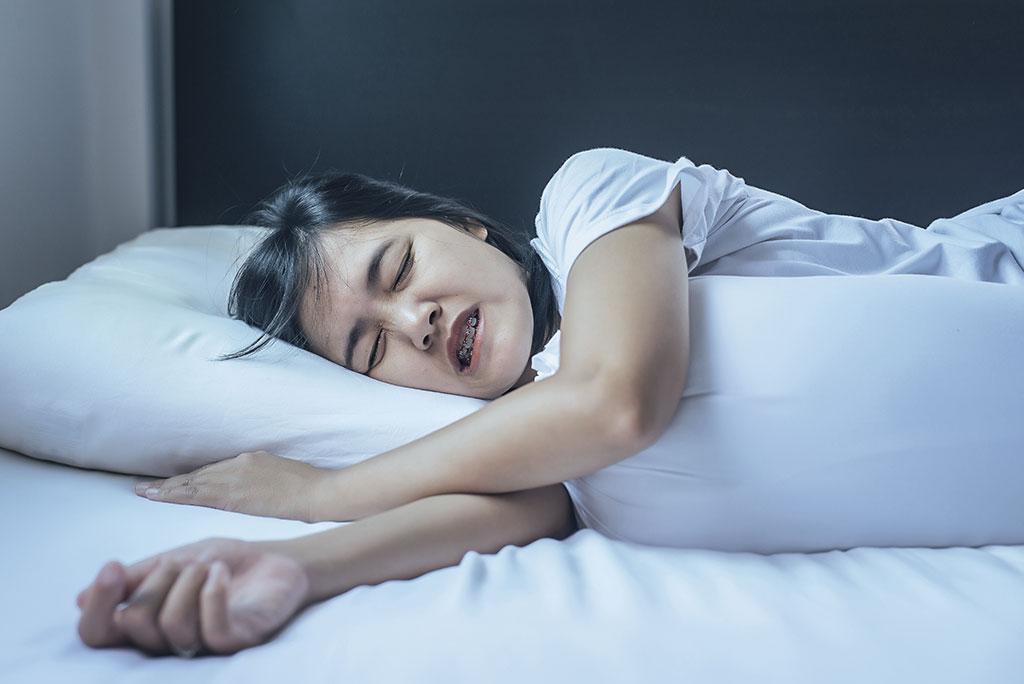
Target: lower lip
477,343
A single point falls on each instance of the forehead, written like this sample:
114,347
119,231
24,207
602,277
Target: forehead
345,253
337,275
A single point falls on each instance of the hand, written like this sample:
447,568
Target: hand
257,483
217,595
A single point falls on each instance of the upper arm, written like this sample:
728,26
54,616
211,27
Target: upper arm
625,325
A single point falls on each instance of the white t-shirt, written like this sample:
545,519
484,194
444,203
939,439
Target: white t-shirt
731,228
597,191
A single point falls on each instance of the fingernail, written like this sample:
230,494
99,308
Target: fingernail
141,487
152,492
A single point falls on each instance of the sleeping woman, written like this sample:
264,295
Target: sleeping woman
582,340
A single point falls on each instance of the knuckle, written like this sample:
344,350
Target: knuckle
135,618
214,640
190,491
174,629
173,622
196,571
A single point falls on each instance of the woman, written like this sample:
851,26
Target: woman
420,291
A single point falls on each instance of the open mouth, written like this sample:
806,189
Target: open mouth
464,352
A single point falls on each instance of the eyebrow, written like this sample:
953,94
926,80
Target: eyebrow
372,284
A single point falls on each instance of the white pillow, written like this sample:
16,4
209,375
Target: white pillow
826,412
114,369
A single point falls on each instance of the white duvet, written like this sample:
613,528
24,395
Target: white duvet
585,610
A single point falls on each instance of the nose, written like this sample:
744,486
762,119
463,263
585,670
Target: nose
419,320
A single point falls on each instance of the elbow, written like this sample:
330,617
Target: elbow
632,429
635,421
618,416
554,510
632,407
641,406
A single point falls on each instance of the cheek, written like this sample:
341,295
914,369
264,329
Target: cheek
412,370
526,307
517,339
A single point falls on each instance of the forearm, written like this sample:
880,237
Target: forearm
542,434
426,535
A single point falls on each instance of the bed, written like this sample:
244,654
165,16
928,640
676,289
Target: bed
93,408
587,609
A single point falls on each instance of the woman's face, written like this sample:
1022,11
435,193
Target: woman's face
400,302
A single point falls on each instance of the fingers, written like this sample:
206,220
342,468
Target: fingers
146,488
139,571
137,619
98,602
189,484
155,603
161,614
157,489
179,617
201,487
182,489
213,611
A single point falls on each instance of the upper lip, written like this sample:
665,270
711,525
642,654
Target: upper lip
455,338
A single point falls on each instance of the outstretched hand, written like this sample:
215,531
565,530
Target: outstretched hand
258,483
215,596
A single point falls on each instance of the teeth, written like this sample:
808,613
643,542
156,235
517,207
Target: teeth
465,351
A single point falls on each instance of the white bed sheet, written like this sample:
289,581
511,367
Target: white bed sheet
586,610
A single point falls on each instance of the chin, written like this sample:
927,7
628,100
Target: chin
487,394
493,391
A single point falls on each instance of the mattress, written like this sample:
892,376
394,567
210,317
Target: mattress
587,609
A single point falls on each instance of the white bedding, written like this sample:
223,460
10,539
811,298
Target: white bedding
586,610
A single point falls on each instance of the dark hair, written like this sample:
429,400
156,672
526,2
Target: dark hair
269,287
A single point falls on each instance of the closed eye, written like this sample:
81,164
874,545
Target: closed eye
376,347
403,272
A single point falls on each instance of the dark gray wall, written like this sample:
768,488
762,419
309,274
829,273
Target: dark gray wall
911,109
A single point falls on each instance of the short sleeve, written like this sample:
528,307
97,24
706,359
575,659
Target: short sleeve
596,191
